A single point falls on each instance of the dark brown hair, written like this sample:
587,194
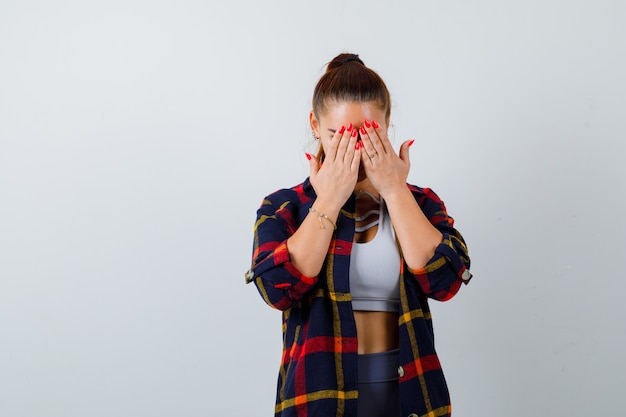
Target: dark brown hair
348,79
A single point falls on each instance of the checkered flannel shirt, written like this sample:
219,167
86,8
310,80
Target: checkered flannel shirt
318,372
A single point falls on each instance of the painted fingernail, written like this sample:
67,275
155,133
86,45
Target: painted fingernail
411,142
358,145
376,125
343,129
350,127
367,124
354,133
308,156
363,131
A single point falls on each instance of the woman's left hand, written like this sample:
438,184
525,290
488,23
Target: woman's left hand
386,170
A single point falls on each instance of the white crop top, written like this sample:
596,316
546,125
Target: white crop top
375,268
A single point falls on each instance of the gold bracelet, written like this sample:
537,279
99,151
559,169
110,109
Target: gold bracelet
321,216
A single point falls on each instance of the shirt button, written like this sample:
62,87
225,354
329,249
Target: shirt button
466,275
400,371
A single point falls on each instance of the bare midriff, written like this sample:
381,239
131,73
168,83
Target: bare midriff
377,331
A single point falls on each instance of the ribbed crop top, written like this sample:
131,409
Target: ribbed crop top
375,269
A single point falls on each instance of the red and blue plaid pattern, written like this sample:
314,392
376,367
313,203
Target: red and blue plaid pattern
318,373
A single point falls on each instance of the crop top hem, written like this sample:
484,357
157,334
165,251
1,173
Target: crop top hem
392,306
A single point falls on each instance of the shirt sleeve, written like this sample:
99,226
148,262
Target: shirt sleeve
279,282
443,274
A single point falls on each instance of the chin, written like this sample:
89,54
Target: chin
362,175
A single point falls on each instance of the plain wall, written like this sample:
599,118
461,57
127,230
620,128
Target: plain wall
138,138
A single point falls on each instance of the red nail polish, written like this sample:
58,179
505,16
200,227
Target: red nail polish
376,125
343,129
411,142
308,156
363,131
354,133
367,124
350,127
357,146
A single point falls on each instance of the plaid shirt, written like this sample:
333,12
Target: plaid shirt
318,372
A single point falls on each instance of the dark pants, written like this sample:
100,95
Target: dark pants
378,385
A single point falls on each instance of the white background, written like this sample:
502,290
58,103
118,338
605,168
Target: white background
138,138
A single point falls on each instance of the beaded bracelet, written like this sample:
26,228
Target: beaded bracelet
321,216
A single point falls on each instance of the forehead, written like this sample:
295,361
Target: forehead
344,112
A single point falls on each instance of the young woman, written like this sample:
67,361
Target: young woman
351,256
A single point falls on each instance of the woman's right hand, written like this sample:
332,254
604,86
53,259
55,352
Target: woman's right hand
335,178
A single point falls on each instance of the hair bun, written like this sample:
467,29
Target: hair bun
352,57
342,59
